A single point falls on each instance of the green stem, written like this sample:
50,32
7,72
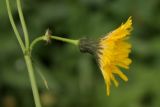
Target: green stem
14,26
71,41
48,37
28,58
34,42
32,80
25,50
25,31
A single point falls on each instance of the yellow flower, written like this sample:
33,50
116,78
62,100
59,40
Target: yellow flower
113,53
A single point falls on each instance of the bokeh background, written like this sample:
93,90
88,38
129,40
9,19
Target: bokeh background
74,78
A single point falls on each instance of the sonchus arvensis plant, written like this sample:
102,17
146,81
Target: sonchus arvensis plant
112,53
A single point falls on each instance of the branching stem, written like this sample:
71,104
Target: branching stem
25,49
48,37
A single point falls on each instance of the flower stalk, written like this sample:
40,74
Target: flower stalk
25,49
47,37
71,41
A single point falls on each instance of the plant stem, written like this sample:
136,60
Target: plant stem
34,42
28,58
25,50
71,41
32,80
14,26
48,37
25,31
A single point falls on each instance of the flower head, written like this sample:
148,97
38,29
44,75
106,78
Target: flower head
112,52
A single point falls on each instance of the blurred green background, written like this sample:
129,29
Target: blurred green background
74,79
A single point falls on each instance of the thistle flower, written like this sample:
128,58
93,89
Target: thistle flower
112,52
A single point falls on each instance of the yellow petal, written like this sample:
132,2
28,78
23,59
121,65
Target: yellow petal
114,52
118,72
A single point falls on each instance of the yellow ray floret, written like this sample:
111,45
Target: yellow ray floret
113,53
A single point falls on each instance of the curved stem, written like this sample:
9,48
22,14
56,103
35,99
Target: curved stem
48,37
14,26
25,31
35,42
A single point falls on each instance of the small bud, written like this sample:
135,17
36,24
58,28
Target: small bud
48,32
47,36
